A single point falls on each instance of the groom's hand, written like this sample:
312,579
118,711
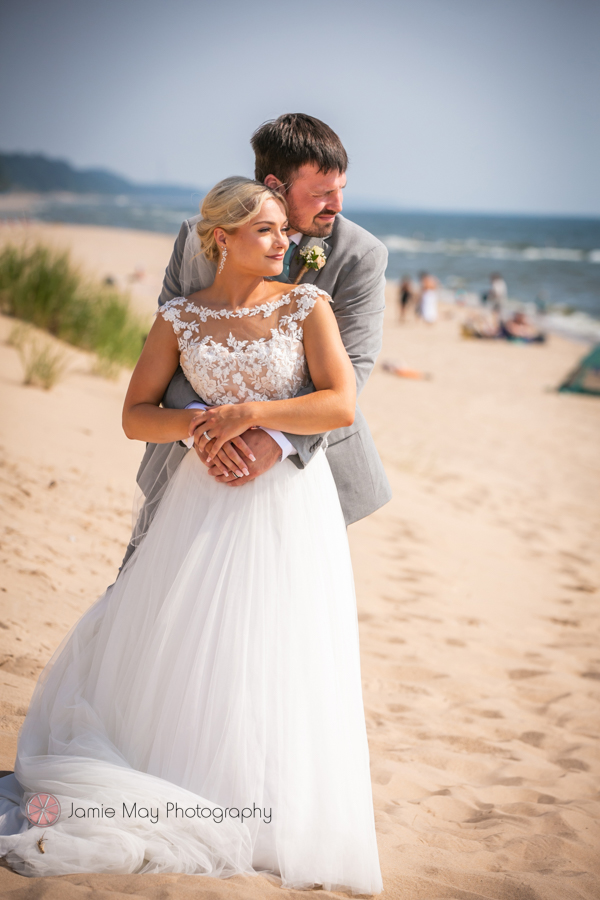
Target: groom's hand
265,449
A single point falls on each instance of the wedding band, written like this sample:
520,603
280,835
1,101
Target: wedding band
207,435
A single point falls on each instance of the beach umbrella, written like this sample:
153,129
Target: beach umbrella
585,377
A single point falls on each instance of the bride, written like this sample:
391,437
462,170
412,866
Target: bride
205,715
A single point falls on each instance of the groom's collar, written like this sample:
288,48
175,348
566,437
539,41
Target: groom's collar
303,241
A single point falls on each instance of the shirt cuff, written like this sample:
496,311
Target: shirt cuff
287,448
189,442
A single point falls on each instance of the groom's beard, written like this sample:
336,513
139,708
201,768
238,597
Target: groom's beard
319,229
315,228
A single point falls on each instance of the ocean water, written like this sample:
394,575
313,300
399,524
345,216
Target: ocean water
553,262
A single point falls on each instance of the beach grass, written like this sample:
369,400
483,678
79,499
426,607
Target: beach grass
43,286
19,335
44,364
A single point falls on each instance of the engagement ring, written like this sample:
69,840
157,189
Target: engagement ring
207,435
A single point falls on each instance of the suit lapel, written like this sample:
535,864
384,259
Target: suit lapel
296,263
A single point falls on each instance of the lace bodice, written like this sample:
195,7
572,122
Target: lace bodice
256,353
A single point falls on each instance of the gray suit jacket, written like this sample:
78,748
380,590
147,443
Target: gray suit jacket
354,276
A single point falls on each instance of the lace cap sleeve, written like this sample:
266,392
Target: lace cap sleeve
306,295
171,312
183,317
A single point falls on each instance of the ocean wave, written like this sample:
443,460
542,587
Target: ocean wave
578,326
473,247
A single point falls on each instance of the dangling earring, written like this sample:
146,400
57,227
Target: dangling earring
222,260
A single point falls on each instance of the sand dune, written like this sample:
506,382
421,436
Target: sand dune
478,590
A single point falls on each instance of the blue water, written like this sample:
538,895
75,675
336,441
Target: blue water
555,260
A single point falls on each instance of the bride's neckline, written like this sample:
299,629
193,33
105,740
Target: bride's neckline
246,310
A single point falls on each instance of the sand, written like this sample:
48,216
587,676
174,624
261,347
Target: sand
478,589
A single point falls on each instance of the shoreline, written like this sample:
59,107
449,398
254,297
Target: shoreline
570,322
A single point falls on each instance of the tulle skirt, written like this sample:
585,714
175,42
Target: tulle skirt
205,715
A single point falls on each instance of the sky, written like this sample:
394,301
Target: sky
450,105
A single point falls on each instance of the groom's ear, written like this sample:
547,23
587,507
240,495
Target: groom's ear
275,184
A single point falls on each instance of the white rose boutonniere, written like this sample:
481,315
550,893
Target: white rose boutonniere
313,258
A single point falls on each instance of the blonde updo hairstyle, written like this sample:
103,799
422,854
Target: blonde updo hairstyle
230,204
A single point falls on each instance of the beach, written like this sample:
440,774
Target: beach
478,591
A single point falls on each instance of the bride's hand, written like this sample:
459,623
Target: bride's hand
228,461
221,427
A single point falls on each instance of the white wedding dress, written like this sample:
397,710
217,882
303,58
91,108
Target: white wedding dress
219,676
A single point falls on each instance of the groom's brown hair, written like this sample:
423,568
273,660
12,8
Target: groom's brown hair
282,145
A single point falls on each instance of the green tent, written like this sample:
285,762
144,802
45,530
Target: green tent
585,377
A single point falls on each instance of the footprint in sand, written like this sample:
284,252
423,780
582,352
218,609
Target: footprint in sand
25,666
573,765
534,738
520,674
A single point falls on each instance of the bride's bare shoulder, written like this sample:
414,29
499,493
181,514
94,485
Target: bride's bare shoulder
282,289
275,290
200,298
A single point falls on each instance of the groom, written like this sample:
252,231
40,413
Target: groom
304,159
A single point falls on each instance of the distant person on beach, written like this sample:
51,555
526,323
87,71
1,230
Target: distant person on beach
406,296
482,325
497,294
518,327
429,298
